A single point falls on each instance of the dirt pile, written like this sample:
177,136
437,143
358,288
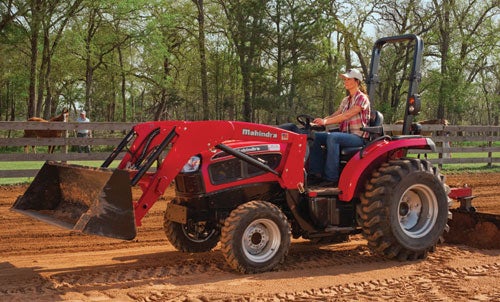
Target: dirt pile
474,229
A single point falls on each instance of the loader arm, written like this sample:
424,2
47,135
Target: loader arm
182,139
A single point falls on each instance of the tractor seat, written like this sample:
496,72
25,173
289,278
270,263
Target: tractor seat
375,129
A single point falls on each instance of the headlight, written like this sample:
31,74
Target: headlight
192,165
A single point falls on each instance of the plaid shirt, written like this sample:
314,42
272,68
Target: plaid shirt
354,124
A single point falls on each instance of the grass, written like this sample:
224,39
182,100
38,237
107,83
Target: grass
469,168
35,165
466,155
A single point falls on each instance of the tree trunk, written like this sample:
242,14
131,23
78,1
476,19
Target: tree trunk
112,105
89,73
42,73
35,28
245,27
89,68
162,106
247,100
123,86
443,14
291,113
279,61
48,110
203,59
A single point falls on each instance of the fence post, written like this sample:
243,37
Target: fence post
66,135
490,154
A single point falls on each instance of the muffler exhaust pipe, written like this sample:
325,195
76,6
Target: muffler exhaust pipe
95,201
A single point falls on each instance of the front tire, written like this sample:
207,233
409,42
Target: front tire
404,210
255,237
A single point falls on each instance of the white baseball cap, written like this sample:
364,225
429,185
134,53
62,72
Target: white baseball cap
352,74
82,112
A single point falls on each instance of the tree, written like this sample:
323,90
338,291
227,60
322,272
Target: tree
262,61
12,10
397,18
467,38
36,13
56,17
246,29
203,59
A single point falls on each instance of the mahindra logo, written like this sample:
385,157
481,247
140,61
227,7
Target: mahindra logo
258,133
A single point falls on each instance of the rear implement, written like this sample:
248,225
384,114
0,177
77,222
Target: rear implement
476,229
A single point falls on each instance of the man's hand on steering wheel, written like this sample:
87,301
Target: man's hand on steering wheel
305,120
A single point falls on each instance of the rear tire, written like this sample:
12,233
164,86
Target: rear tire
404,210
193,237
255,237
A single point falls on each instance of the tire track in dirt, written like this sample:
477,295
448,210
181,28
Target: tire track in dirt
166,268
346,271
415,288
429,285
174,264
435,281
153,269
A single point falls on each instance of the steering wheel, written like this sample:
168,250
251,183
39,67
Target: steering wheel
305,120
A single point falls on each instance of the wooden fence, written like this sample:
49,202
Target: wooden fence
479,140
11,135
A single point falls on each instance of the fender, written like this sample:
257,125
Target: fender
361,165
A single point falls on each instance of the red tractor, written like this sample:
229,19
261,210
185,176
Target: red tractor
244,185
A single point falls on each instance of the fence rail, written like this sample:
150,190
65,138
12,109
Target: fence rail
449,140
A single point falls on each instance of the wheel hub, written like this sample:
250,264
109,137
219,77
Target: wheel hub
257,238
409,210
261,240
417,211
404,209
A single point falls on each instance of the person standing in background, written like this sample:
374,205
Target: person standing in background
83,132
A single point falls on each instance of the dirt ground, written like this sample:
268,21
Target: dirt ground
39,262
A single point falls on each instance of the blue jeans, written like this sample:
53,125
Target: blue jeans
292,127
329,167
85,148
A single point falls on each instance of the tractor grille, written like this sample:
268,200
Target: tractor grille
191,183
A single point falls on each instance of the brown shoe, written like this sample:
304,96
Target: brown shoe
328,184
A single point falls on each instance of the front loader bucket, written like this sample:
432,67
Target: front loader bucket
90,200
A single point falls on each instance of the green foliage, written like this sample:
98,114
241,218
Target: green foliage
139,60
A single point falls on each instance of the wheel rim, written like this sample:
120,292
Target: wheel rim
417,211
197,231
261,240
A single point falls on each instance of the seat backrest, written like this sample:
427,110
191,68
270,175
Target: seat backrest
376,128
376,118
